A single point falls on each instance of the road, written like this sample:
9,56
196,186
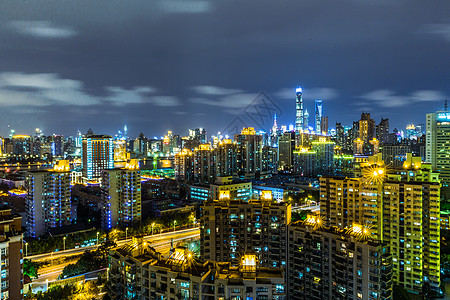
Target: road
151,238
161,242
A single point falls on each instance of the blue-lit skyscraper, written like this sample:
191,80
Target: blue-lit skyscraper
98,155
318,115
299,116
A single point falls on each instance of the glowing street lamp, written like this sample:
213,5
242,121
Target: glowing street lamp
126,233
153,225
26,249
174,224
64,240
97,237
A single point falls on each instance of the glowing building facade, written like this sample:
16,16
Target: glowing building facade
97,155
438,145
299,114
136,271
121,196
332,263
48,199
230,228
397,206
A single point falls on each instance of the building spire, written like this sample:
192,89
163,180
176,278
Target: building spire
445,105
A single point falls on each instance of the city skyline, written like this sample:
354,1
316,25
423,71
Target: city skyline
210,62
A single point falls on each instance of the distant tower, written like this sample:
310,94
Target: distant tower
318,115
299,117
125,131
275,125
306,120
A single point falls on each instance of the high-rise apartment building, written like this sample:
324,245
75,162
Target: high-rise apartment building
97,155
184,165
286,147
382,131
438,145
299,114
11,256
204,169
248,153
230,228
333,263
225,158
48,199
121,196
396,206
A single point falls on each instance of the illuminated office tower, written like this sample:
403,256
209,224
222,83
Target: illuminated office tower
438,145
121,196
248,153
184,165
97,154
140,146
399,206
48,199
21,144
225,158
318,115
230,228
299,116
204,170
333,263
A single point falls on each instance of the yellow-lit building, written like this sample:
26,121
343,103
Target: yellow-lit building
398,206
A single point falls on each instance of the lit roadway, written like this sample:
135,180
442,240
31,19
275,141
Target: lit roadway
161,243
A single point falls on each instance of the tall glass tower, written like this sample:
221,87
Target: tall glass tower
299,117
318,115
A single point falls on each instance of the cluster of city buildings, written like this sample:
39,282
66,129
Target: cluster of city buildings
378,222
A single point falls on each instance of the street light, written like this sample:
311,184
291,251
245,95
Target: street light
46,284
174,224
26,249
126,233
97,237
153,225
64,240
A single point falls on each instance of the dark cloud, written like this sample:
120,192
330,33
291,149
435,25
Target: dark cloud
175,64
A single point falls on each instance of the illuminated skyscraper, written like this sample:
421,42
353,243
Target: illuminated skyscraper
318,115
230,228
438,145
48,199
225,158
397,206
204,171
248,153
299,116
121,196
97,154
286,149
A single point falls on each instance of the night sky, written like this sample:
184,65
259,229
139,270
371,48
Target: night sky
172,64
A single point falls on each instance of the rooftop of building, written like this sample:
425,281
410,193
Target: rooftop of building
357,233
185,263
